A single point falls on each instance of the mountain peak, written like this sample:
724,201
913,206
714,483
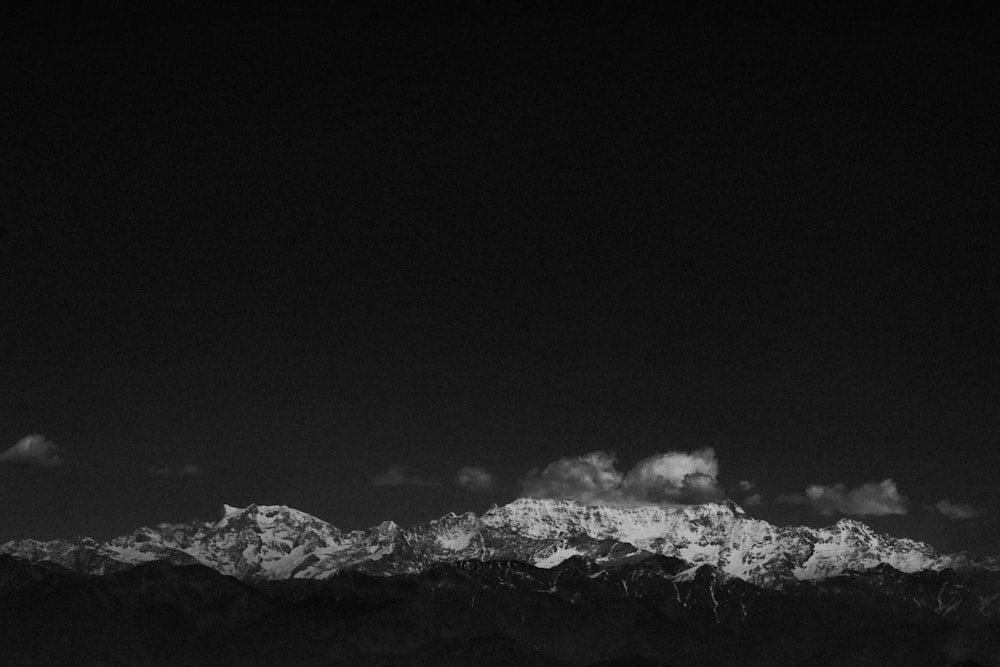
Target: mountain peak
388,526
853,525
229,510
265,515
737,511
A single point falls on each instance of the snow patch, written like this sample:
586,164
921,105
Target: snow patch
557,557
454,542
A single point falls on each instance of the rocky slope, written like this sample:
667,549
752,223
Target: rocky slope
266,542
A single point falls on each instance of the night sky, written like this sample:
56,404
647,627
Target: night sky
329,258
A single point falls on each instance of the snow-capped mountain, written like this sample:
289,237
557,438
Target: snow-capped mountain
723,536
262,542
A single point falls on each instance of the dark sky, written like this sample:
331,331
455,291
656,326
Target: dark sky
294,248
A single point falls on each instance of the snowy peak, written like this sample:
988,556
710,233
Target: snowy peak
265,516
736,510
230,511
852,525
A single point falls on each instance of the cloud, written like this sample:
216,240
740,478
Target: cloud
398,475
753,500
33,450
475,478
958,511
747,485
588,478
186,470
673,478
873,498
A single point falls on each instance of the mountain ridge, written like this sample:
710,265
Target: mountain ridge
578,612
262,542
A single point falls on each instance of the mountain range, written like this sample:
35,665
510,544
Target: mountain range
533,582
262,542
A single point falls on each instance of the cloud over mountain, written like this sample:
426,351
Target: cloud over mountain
871,499
958,511
673,478
475,478
33,450
400,475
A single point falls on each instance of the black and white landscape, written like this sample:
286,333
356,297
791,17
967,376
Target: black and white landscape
664,333
534,582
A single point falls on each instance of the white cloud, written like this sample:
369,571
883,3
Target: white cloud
747,485
958,511
33,450
754,500
186,470
398,475
873,498
475,478
677,478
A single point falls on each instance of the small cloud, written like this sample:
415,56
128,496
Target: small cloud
753,500
672,478
874,498
747,485
186,470
958,511
33,450
475,478
398,475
